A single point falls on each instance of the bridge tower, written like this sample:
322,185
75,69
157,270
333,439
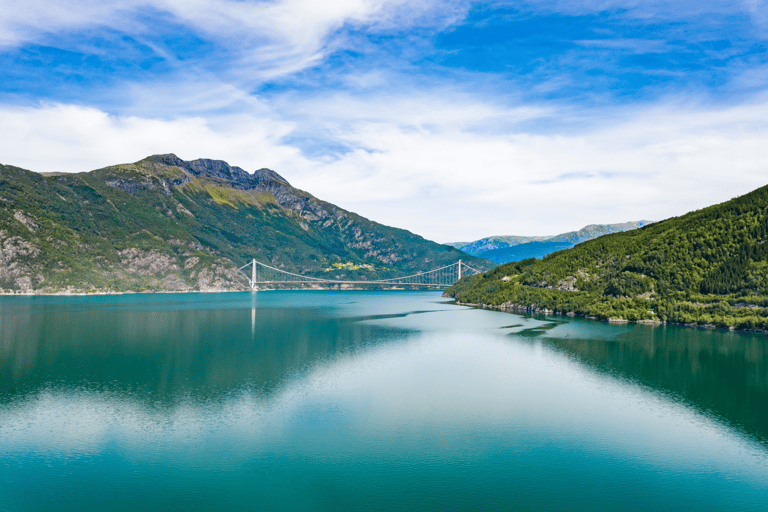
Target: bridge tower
442,277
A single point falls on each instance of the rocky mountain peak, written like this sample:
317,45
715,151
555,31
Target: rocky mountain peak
265,174
222,170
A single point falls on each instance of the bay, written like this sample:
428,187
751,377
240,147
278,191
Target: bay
369,401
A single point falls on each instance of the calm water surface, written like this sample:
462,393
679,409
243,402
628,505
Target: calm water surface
369,401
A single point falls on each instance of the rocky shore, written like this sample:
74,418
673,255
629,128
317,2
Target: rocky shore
509,307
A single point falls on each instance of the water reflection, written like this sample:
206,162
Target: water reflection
163,350
724,374
314,401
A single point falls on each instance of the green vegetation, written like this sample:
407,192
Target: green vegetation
165,224
709,267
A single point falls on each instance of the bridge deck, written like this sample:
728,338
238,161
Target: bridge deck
333,281
443,277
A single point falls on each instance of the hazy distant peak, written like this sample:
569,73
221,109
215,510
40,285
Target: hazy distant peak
496,248
596,230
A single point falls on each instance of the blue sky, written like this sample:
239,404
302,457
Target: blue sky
455,120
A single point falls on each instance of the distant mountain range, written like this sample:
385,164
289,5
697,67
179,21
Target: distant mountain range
165,224
505,249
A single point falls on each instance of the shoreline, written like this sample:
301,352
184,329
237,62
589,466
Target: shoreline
100,294
96,294
517,308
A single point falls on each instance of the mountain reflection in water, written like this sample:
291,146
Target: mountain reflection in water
369,401
167,353
173,350
724,374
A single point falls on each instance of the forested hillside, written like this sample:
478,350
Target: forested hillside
167,224
706,267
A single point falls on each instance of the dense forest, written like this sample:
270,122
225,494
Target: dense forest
709,267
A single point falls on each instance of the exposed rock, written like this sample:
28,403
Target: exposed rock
14,247
567,284
146,263
181,209
130,187
173,282
390,258
26,220
23,283
222,277
14,265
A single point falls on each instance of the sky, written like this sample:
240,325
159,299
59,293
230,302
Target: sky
453,119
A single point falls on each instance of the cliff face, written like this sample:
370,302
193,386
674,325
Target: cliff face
167,224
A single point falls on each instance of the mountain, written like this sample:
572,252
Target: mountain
504,249
709,267
524,251
495,242
167,224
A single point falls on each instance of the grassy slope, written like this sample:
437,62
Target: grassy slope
82,231
706,267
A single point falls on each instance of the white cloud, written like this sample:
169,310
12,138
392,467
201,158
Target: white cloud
263,39
449,183
436,173
69,138
425,157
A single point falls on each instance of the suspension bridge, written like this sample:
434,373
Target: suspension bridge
264,276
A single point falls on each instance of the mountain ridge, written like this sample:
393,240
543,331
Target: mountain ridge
166,224
505,249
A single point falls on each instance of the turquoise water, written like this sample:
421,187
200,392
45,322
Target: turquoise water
369,401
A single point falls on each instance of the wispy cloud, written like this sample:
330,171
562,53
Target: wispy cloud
455,119
444,179
70,138
273,38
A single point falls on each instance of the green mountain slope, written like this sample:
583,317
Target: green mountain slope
168,224
707,267
505,249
